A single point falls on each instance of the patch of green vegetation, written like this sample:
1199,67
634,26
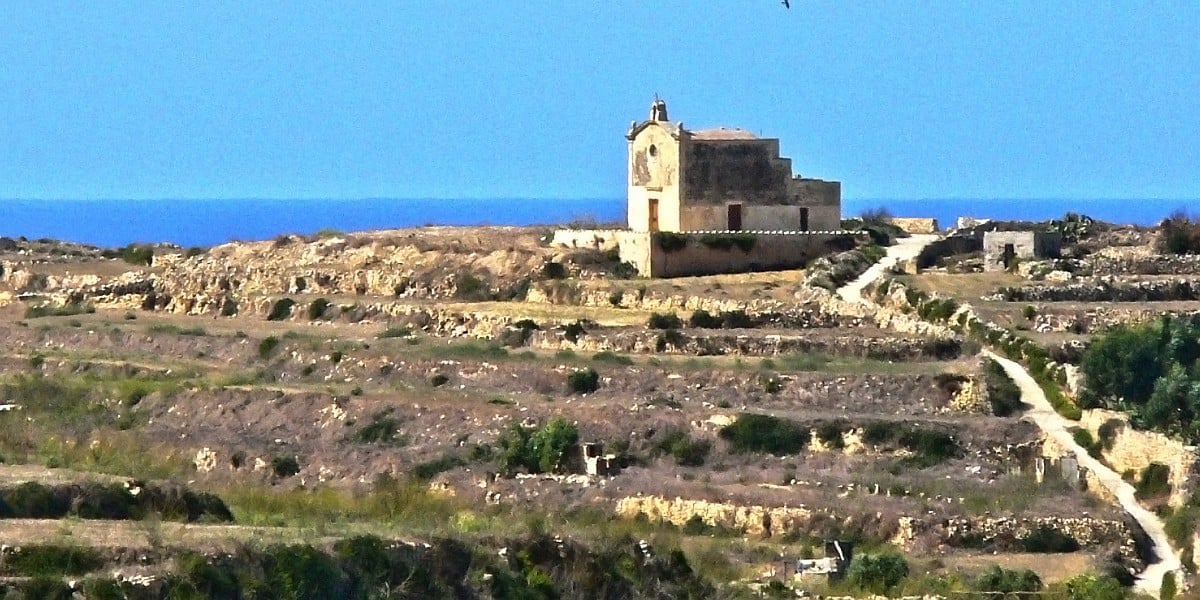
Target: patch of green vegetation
542,450
51,560
267,347
285,466
753,432
134,254
472,288
583,381
432,468
725,241
282,309
1149,370
664,321
317,309
172,329
36,311
687,451
1003,394
1153,482
383,429
671,242
395,331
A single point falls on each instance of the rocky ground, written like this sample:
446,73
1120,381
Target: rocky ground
308,372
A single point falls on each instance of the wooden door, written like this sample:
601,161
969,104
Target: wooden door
803,218
735,217
653,222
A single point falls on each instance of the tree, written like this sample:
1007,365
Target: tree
1093,587
877,573
552,444
1003,581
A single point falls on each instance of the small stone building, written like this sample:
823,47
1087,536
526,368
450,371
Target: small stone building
720,180
1001,249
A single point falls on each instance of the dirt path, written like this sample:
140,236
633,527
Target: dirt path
1055,427
905,249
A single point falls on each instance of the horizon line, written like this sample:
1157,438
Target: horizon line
561,198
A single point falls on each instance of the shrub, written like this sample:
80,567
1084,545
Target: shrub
48,310
605,356
472,289
285,466
1003,394
438,380
1179,234
572,331
395,332
554,270
282,309
432,468
267,347
1154,482
32,500
317,308
702,318
1046,539
48,560
877,573
1029,312
671,242
383,429
229,307
583,381
765,433
830,435
134,254
664,321
686,451
541,450
1003,582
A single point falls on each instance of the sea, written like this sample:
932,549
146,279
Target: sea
197,222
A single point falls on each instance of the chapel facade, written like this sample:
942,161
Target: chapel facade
720,180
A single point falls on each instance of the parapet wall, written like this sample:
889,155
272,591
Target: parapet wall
665,254
915,224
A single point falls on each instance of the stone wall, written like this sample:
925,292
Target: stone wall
1134,450
1026,245
770,250
915,224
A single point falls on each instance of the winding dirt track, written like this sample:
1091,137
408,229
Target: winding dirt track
1055,426
1052,424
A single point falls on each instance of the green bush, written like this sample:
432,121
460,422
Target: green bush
285,466
1154,482
1003,394
383,429
583,381
554,270
317,308
765,433
686,451
51,560
543,450
395,332
32,500
282,309
701,318
267,347
664,321
573,331
1002,583
605,356
134,254
1179,234
671,242
472,288
229,307
877,573
830,434
67,310
432,468
1046,539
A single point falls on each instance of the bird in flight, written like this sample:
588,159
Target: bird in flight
786,3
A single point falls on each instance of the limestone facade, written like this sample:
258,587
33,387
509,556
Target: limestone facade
1002,248
719,180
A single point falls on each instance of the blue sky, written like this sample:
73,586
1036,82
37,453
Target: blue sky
897,99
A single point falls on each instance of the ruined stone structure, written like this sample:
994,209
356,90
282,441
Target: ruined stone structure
720,180
1001,249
